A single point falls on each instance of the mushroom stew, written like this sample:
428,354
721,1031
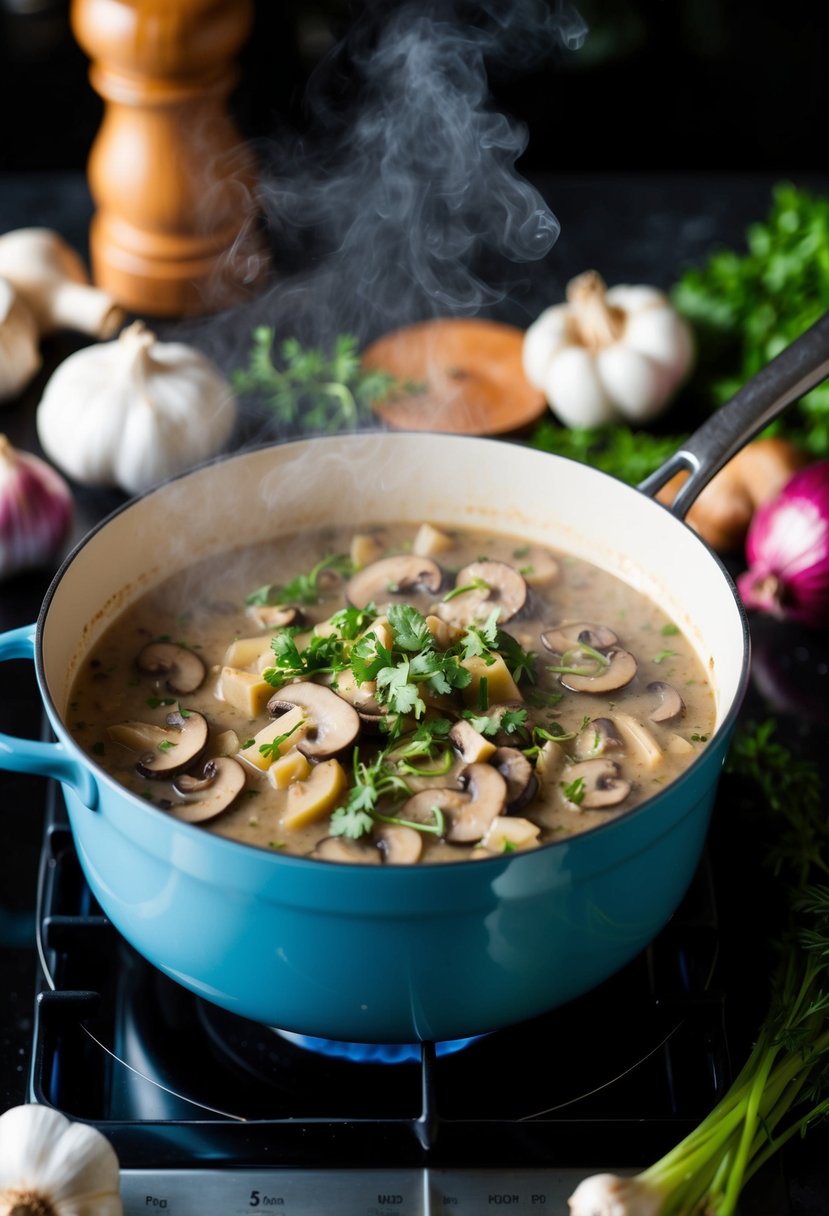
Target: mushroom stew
404,696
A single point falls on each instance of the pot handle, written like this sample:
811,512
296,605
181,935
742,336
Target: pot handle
796,370
30,756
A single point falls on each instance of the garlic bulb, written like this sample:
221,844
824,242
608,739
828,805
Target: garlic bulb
50,1166
52,280
135,411
608,354
35,510
19,352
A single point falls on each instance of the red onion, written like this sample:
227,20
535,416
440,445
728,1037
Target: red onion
787,550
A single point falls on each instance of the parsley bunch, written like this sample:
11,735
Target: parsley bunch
747,306
309,390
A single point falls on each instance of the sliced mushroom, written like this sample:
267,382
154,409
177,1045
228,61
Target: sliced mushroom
469,743
569,634
382,581
211,793
183,668
398,844
361,696
538,566
341,848
603,786
619,671
515,768
671,706
597,738
165,751
491,584
487,792
333,724
276,616
420,808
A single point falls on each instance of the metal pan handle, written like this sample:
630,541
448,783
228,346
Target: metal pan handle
795,371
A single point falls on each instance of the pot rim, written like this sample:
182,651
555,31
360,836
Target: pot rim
194,831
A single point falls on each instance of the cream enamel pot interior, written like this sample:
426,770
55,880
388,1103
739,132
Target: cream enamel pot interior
373,953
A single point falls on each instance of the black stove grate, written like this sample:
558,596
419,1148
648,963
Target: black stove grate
618,1075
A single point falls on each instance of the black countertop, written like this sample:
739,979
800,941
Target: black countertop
643,228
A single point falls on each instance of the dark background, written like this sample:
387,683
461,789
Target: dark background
658,84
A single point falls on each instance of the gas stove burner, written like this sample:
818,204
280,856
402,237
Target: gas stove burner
371,1053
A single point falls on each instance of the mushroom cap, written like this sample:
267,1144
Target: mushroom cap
399,845
385,581
604,784
333,723
487,791
515,768
166,751
183,668
670,705
276,616
569,634
502,587
207,796
420,808
598,737
469,743
344,849
620,670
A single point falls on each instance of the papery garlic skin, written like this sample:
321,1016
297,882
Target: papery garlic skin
35,510
608,354
133,412
52,280
19,343
610,1195
50,1166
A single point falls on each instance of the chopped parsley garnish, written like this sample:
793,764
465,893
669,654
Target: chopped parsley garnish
574,791
271,749
304,589
662,655
166,745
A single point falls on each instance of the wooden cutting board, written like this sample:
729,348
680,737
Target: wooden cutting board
466,373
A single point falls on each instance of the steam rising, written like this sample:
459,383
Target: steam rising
405,203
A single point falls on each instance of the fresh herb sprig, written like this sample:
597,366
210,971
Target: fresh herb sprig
747,305
407,671
783,1088
626,453
305,588
308,389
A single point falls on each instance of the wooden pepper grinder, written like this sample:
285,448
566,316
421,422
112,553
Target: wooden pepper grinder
176,230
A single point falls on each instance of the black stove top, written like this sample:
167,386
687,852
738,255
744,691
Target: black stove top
611,1080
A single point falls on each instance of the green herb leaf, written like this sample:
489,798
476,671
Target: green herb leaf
309,389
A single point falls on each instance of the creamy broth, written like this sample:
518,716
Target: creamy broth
405,695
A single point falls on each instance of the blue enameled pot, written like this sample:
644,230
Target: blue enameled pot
383,953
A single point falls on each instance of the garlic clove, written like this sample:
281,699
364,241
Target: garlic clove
639,384
664,336
50,1164
575,389
35,510
52,280
19,350
542,341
